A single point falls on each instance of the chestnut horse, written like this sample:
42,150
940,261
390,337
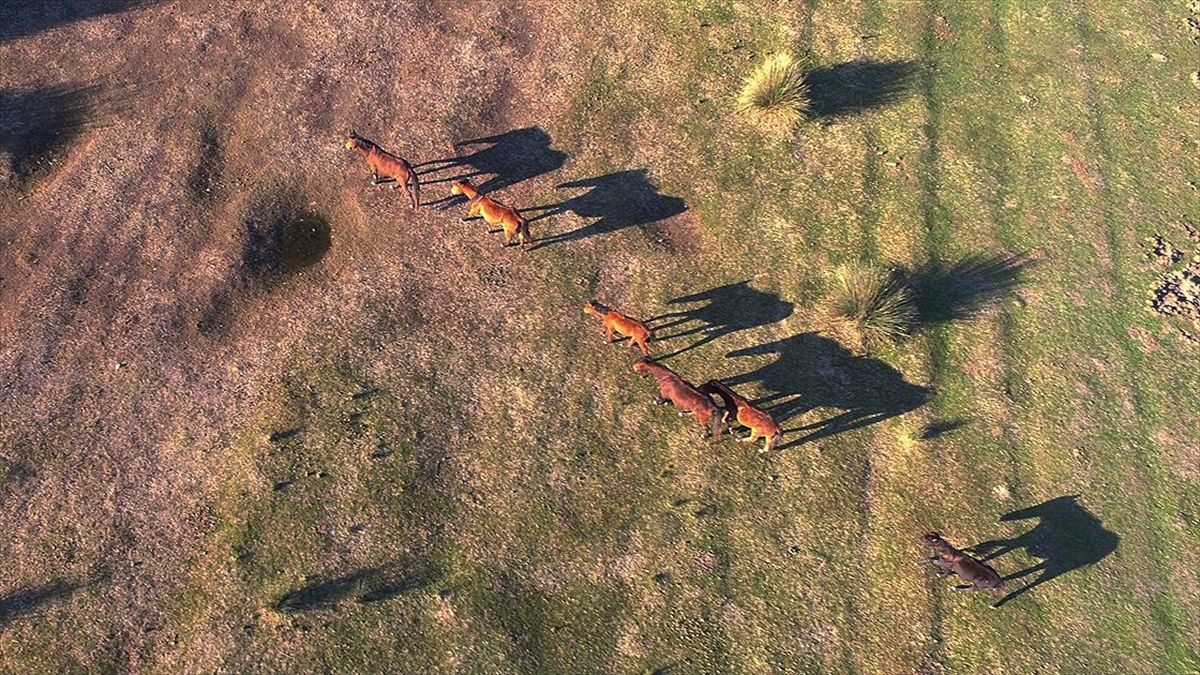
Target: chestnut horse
953,561
386,166
760,423
616,322
494,213
679,392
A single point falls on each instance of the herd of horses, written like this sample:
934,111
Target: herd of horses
732,411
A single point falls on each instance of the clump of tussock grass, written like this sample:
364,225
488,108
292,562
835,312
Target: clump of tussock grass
775,95
875,306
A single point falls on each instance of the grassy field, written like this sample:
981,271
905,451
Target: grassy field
260,417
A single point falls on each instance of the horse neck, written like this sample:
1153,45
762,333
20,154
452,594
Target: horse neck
364,146
948,551
469,191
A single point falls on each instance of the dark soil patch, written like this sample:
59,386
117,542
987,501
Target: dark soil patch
205,176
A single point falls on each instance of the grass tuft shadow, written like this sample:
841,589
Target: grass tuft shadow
855,86
948,292
27,600
941,428
36,124
374,584
1067,537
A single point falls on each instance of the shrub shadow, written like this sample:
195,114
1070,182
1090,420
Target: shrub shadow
1066,537
945,292
28,17
508,158
718,312
855,86
616,200
816,372
35,124
374,584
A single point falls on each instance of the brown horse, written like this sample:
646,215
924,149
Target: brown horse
386,166
494,213
616,322
759,422
953,561
679,392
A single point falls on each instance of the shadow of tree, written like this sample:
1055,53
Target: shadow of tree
852,87
1066,537
816,372
27,17
37,123
725,310
947,292
508,158
373,584
616,200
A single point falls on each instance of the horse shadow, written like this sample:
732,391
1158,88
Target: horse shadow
718,312
508,158
372,584
616,201
812,372
1067,537
28,17
37,123
855,86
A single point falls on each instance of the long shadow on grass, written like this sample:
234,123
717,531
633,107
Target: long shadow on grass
944,292
28,17
508,158
615,201
373,584
27,600
718,312
855,86
1066,537
35,124
812,372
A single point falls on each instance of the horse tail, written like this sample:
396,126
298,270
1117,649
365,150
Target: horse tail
717,419
523,230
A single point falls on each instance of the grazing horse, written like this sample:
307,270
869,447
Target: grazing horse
760,423
494,213
386,166
616,322
679,392
953,561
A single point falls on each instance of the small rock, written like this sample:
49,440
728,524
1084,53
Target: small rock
1161,58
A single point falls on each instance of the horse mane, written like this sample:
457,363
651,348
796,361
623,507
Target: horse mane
717,387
